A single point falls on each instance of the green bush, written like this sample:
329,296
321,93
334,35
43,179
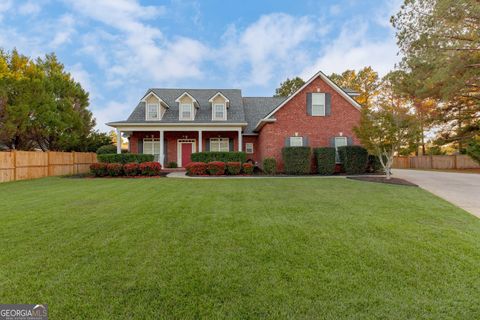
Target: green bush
353,158
219,156
473,150
233,168
247,168
107,149
172,164
297,160
374,164
124,158
325,159
270,166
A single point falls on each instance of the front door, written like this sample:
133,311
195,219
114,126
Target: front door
185,149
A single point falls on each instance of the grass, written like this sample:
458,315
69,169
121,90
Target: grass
236,249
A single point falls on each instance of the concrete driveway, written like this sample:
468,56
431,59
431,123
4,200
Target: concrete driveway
461,189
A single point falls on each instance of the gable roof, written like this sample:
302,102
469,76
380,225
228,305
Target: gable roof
256,108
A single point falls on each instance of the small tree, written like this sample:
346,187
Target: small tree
289,87
388,127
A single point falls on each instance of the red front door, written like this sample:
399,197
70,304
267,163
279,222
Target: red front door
186,153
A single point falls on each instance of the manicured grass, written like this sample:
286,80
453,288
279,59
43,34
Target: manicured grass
252,248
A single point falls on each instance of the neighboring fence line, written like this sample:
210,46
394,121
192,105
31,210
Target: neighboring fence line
460,161
23,165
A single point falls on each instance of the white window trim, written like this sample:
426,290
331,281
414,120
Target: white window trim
249,148
224,111
147,116
298,139
219,145
337,157
321,114
155,142
180,113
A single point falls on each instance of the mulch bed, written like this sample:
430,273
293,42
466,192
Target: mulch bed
384,180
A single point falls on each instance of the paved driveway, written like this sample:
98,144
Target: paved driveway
461,189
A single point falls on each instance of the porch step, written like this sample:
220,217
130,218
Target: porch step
173,170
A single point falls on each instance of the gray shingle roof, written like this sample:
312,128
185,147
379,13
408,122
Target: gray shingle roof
258,107
235,113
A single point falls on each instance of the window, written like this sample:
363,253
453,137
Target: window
152,111
151,146
249,147
186,112
219,144
219,112
296,141
318,104
339,142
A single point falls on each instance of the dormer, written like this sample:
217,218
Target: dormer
155,107
220,104
187,107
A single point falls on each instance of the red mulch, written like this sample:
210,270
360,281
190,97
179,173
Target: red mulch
383,179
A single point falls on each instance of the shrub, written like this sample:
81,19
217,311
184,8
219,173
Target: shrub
325,158
114,169
373,163
353,158
124,158
150,168
270,166
234,168
131,169
219,156
297,160
216,168
107,149
172,164
196,168
98,169
247,168
473,150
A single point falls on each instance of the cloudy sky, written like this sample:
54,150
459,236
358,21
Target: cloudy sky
117,49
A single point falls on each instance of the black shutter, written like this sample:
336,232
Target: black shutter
305,142
140,145
165,153
332,142
207,145
287,142
349,141
328,104
309,104
230,145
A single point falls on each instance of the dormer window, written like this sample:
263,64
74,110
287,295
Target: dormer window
186,111
219,111
153,111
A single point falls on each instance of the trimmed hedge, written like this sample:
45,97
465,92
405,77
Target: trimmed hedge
114,169
234,168
107,149
297,160
270,166
353,158
219,156
196,168
131,169
216,168
125,158
150,168
99,169
325,159
172,164
247,168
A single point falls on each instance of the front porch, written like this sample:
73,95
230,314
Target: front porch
170,145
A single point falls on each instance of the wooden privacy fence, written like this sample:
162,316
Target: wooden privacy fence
460,161
23,165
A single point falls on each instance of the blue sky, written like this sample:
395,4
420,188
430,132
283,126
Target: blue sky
118,48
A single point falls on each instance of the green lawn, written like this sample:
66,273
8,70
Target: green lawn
242,248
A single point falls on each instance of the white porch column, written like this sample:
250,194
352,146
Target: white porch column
161,157
240,142
119,141
200,141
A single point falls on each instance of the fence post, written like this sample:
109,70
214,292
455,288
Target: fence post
49,170
455,161
14,152
431,161
74,171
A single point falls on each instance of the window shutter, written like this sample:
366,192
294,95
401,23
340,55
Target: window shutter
328,104
305,141
140,145
332,142
165,153
230,145
287,142
207,145
349,141
309,104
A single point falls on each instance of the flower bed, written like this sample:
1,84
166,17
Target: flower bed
149,169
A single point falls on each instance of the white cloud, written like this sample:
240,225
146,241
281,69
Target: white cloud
5,6
65,30
29,8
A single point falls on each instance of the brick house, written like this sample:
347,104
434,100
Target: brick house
173,123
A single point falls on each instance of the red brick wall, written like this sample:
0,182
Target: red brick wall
292,118
255,155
